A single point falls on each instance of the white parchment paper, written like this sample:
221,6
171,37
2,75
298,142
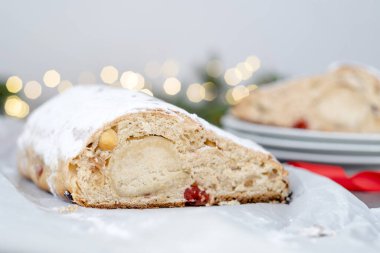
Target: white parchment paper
322,217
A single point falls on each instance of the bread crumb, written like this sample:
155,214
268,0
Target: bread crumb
68,209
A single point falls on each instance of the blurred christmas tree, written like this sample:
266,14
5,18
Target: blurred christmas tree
216,90
215,104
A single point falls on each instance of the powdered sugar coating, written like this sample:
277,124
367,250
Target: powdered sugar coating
59,129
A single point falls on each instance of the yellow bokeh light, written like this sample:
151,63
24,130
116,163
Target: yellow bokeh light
32,89
132,80
170,68
86,77
214,68
172,86
109,74
210,89
148,92
239,92
153,69
64,85
232,76
140,82
129,80
245,70
51,78
16,107
253,63
252,87
229,98
14,84
195,92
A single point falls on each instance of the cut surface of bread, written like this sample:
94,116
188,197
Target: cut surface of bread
346,99
106,147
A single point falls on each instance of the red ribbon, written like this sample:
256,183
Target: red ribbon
368,181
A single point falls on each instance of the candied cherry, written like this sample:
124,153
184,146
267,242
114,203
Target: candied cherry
301,124
39,170
195,196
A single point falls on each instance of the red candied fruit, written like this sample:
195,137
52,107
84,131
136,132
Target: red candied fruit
195,197
302,124
39,170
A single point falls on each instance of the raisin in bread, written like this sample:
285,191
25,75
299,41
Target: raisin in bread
346,99
107,147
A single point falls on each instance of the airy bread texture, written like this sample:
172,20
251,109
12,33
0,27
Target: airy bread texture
158,156
346,99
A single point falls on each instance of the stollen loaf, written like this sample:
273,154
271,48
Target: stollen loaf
107,147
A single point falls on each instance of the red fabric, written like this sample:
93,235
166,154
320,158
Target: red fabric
362,181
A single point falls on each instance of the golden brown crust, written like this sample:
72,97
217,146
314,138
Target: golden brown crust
135,206
271,197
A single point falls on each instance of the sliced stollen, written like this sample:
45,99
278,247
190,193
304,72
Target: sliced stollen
112,148
346,99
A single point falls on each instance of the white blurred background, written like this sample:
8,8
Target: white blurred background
294,37
78,38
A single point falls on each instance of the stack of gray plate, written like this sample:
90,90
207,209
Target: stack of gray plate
308,145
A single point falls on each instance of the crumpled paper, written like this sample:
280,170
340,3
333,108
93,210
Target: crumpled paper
321,217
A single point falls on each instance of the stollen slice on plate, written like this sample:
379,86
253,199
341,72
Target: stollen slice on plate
106,147
346,99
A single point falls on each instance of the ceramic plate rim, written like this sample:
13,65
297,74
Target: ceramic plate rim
237,124
340,148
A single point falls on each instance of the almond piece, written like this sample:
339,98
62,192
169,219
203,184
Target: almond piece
108,140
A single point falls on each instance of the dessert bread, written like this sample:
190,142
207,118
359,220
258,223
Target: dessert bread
107,147
346,99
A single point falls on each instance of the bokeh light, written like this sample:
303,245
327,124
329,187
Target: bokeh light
148,92
232,76
16,107
210,89
253,63
195,92
132,80
214,68
128,79
109,74
140,82
51,78
245,70
64,85
252,87
14,84
32,89
239,92
230,100
172,86
170,68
